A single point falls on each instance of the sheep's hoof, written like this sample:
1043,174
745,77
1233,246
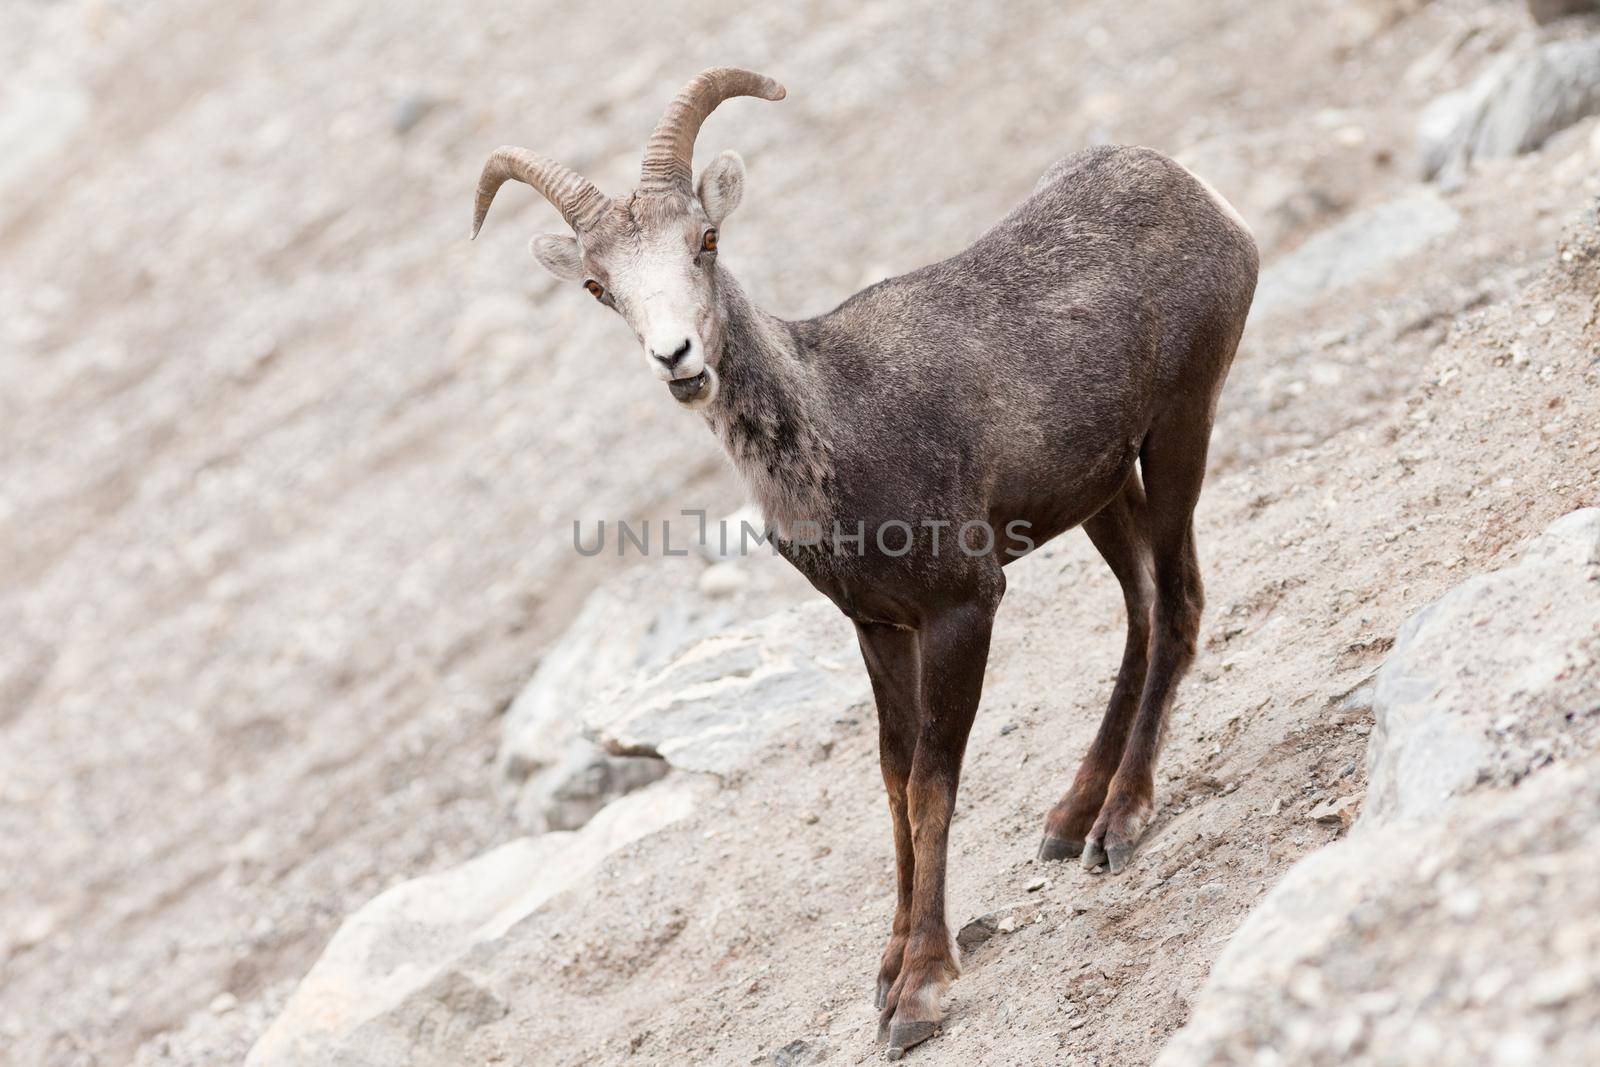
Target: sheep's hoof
1116,833
1112,856
1058,848
903,1036
881,997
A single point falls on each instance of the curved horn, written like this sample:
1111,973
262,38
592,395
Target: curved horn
575,196
669,157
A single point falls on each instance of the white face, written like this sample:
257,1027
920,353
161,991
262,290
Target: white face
663,285
656,267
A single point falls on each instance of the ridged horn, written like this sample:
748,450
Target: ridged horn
669,156
575,196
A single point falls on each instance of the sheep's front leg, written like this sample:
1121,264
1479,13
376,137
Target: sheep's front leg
954,647
891,657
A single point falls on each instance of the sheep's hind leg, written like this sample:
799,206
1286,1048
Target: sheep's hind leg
1173,461
1116,531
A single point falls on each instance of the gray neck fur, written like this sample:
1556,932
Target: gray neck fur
765,413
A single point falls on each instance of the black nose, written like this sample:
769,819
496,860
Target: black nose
671,362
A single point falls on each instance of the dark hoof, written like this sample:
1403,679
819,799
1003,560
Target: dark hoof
1113,858
1058,848
903,1036
881,997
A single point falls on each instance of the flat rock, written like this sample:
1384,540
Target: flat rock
712,707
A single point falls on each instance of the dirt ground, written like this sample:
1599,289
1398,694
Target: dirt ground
290,469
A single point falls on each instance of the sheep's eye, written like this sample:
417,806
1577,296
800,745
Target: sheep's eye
596,290
708,243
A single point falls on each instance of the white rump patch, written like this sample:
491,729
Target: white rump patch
1222,202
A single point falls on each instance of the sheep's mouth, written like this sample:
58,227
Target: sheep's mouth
686,390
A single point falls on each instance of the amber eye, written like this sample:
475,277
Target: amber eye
708,243
596,290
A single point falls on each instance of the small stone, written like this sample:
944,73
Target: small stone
1519,1050
810,818
223,1003
977,932
1340,811
1544,317
1036,885
412,109
1306,986
1350,136
1557,987
1464,903
1007,925
1007,728
34,928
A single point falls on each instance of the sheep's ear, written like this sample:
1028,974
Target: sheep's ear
722,186
559,255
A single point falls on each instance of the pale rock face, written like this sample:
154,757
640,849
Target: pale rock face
1459,923
1488,657
356,1004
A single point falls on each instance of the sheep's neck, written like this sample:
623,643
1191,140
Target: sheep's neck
766,413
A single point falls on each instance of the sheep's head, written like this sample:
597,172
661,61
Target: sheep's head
650,256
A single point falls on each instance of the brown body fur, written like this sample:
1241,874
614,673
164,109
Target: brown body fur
1089,332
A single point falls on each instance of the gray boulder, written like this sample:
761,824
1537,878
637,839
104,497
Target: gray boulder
1513,107
1459,923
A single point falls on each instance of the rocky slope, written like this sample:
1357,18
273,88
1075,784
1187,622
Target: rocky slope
291,468
1459,922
